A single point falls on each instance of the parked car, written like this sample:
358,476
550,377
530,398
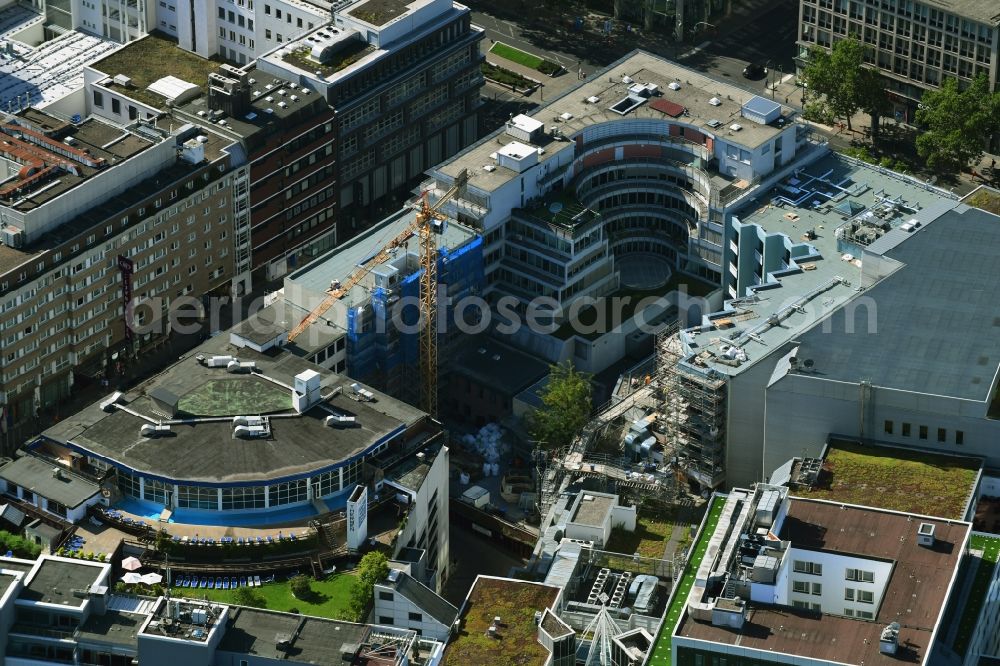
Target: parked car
754,71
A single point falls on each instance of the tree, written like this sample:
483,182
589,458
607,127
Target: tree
838,76
957,123
244,596
301,587
373,568
872,98
565,407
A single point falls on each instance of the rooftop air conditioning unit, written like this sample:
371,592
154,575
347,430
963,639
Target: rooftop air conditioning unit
340,420
925,534
283,105
627,80
294,98
736,127
122,80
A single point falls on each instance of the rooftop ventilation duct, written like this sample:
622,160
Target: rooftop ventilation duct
111,401
340,420
149,430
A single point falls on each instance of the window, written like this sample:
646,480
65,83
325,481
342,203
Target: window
416,617
277,13
298,22
251,497
800,586
279,37
287,493
99,98
866,615
923,432
906,430
814,568
222,13
197,497
267,9
386,596
942,435
817,589
267,34
383,619
133,113
848,594
860,575
849,612
866,596
888,427
959,437
800,604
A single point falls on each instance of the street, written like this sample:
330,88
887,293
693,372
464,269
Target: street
723,55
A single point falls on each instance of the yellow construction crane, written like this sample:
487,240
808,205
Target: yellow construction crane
424,227
426,215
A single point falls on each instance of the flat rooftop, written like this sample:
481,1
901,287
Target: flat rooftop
694,94
411,471
822,261
340,262
316,640
592,509
151,58
37,475
112,628
915,595
498,366
933,326
38,139
55,579
984,11
898,479
50,70
6,580
207,452
515,602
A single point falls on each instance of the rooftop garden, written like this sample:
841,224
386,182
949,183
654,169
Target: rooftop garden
226,397
649,538
896,479
661,655
151,58
300,56
329,598
516,643
380,12
984,567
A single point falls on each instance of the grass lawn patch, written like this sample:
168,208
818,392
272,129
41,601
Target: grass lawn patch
661,648
649,538
977,593
331,596
516,55
897,479
516,643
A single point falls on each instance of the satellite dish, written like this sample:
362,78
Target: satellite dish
808,363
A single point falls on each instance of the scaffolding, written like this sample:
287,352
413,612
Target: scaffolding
692,412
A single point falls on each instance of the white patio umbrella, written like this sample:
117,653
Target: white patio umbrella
131,578
152,579
131,564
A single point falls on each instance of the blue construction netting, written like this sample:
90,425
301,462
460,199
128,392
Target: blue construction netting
375,344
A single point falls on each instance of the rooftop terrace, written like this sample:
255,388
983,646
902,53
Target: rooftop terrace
380,12
897,479
151,58
300,57
517,641
822,258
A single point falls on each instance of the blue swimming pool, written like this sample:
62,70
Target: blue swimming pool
148,510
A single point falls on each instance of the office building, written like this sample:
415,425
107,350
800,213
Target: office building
914,44
297,443
825,270
620,186
80,196
786,579
404,79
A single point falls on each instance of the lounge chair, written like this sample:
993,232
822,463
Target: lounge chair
260,540
203,582
221,583
243,581
256,581
270,579
233,583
